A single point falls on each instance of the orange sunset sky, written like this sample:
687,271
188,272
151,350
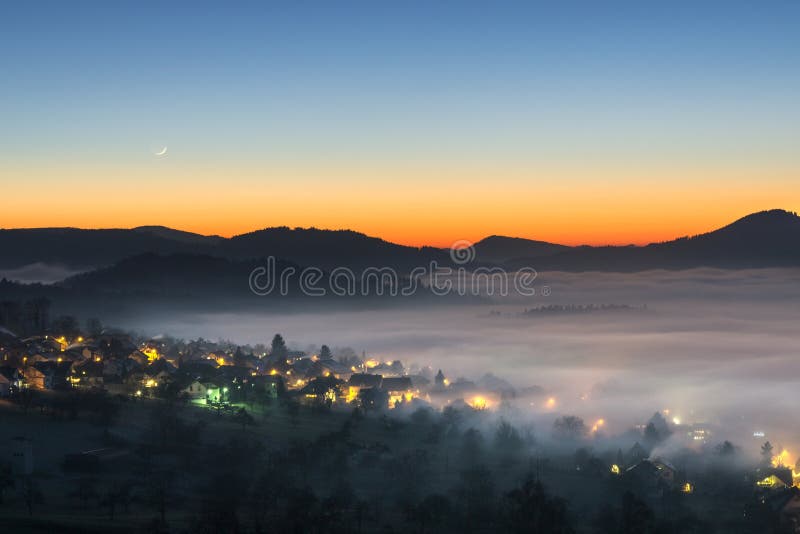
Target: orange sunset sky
421,123
412,206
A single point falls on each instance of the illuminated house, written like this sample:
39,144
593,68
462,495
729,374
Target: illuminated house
322,390
199,390
774,478
653,477
160,370
47,375
635,454
327,367
87,375
771,482
373,399
89,352
394,368
360,381
215,393
268,386
399,389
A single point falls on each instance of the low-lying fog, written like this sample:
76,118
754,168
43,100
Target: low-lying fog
43,273
717,347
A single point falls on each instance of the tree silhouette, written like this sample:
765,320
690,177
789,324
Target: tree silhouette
475,492
530,510
766,454
471,446
278,350
726,448
324,352
569,427
507,438
636,517
430,512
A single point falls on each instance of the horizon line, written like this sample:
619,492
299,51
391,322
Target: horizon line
297,228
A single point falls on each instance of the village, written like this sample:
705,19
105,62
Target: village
222,374
288,395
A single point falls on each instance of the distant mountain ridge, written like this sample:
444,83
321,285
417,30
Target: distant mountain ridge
764,239
498,249
91,249
179,235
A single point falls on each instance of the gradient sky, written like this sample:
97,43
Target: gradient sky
420,122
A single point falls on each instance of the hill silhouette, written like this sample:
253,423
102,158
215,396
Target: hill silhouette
91,249
328,249
764,239
498,248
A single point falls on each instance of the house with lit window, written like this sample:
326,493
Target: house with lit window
87,375
359,382
198,390
157,373
398,388
652,478
266,385
774,478
47,375
322,390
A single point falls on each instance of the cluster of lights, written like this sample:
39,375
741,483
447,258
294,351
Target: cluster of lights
151,353
400,397
479,403
598,425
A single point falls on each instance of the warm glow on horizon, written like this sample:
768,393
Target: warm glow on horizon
433,207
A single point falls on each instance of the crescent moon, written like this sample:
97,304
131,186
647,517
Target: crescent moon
162,152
